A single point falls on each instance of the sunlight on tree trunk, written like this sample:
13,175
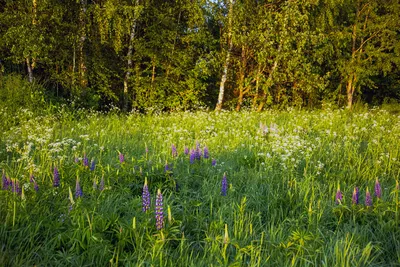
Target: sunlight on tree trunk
128,71
82,39
226,64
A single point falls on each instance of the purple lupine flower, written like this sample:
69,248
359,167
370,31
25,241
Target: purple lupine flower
145,197
198,151
378,189
166,167
85,160
16,188
355,197
31,178
92,165
159,211
338,197
186,151
174,151
101,187
35,186
78,189
11,184
368,199
121,158
192,156
76,160
4,181
206,155
56,177
213,162
224,185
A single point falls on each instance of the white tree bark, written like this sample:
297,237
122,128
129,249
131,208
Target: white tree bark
227,59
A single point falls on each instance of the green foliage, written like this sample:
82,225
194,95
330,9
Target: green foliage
17,93
152,55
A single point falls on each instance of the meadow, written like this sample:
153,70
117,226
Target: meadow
276,188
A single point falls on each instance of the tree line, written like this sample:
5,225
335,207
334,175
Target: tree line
184,54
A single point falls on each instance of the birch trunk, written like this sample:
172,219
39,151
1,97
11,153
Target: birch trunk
129,59
257,87
128,71
227,59
29,68
82,39
241,79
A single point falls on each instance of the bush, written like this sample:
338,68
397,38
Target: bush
16,93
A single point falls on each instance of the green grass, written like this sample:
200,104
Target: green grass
279,210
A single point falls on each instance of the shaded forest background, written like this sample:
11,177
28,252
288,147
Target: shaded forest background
152,55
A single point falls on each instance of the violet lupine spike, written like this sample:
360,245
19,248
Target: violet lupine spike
76,160
356,196
121,158
31,178
198,153
78,189
10,183
166,167
186,150
4,181
368,199
18,189
35,186
101,187
56,177
206,155
378,189
224,185
338,197
145,197
192,156
159,211
213,162
85,160
92,165
174,151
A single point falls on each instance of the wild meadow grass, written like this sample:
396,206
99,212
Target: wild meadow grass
276,188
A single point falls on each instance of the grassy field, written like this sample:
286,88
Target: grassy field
288,198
